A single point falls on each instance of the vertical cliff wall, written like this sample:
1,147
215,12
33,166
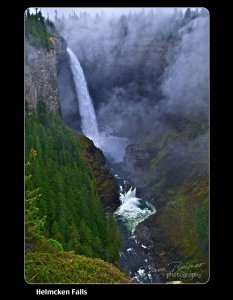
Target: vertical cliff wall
48,77
41,71
67,95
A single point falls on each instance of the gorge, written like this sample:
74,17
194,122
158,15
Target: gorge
133,91
132,210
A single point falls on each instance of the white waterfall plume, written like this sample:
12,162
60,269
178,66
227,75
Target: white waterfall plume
112,146
86,109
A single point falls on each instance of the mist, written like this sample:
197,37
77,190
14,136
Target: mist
186,80
143,68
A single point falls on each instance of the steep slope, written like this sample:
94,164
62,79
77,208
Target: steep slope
70,201
48,78
171,171
47,73
107,187
45,259
63,209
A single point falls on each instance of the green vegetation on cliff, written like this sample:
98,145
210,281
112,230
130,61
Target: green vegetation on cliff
36,30
106,184
47,262
69,199
176,176
182,225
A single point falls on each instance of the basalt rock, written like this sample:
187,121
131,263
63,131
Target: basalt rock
41,73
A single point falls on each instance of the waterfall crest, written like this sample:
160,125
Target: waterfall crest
88,119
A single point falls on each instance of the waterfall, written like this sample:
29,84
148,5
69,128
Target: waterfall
132,210
86,109
112,146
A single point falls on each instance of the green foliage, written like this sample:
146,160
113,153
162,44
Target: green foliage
34,225
113,239
75,215
36,31
183,224
177,175
47,264
55,244
107,187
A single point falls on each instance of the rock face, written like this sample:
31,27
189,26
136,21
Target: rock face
107,187
48,77
41,75
171,171
67,95
138,160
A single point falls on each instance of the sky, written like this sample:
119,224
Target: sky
93,10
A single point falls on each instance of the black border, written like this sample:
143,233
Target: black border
217,58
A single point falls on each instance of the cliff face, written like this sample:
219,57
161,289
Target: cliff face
41,75
138,161
48,77
107,187
171,171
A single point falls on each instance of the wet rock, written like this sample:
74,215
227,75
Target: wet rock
143,233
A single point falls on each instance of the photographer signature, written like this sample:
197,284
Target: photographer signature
178,266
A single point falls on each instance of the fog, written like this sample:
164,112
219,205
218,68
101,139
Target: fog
107,11
142,66
186,80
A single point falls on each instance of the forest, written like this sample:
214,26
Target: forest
74,214
146,74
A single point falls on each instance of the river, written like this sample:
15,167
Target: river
133,255
132,210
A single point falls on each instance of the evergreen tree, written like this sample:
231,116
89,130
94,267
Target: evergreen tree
34,225
75,215
35,30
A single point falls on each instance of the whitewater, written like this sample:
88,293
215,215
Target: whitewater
132,210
